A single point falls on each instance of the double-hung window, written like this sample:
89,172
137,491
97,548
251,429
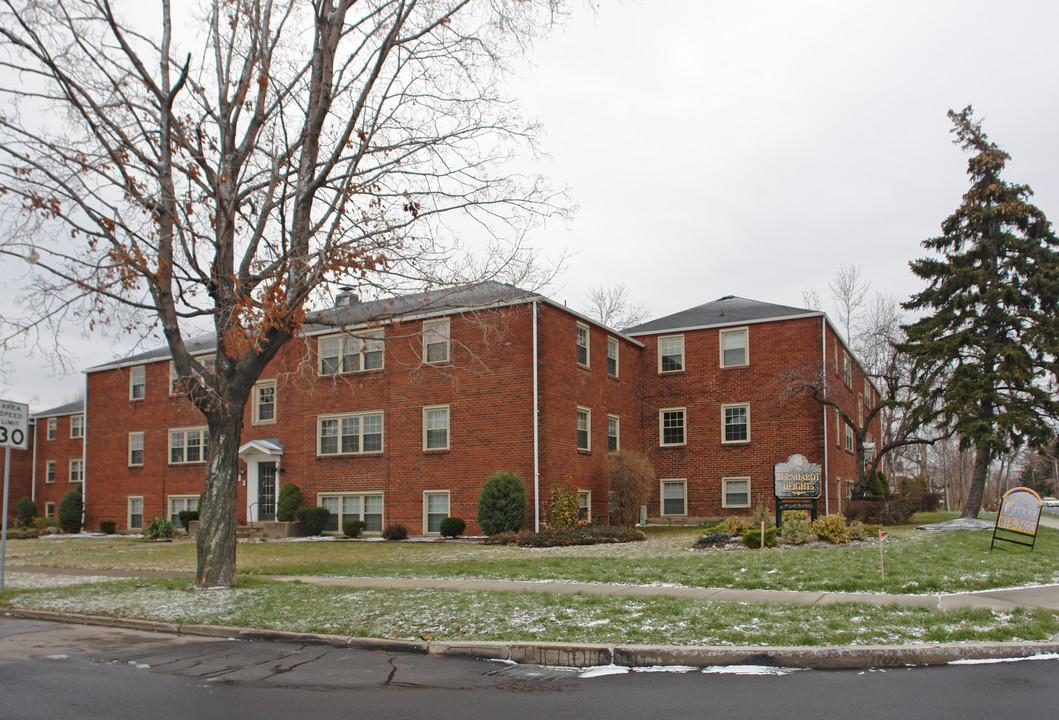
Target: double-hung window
366,507
612,357
77,426
671,427
135,449
53,424
49,471
436,335
77,471
435,509
138,383
180,503
352,434
436,427
674,497
850,439
187,445
671,353
613,433
135,513
847,369
735,492
583,357
735,421
734,347
584,425
350,353
265,403
584,505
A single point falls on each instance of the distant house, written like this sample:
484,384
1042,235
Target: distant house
397,411
57,452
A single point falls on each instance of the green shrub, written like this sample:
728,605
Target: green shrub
508,537
71,510
762,514
860,531
752,538
290,499
313,519
109,527
712,539
796,528
502,503
564,509
452,527
878,486
187,517
594,535
353,528
831,528
40,522
27,510
159,529
396,531
736,525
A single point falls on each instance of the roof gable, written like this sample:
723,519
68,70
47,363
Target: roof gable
728,310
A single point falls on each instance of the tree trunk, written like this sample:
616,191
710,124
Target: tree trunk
982,458
215,540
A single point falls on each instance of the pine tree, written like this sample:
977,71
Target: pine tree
988,337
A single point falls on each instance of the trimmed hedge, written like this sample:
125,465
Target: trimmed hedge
752,538
502,503
71,510
27,510
108,527
290,499
353,528
396,531
452,527
313,519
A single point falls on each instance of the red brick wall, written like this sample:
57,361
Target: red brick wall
61,450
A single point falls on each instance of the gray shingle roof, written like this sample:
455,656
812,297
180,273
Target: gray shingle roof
728,310
71,408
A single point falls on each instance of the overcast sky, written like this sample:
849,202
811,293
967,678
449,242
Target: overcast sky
752,148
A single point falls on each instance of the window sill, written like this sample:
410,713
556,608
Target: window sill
349,373
436,451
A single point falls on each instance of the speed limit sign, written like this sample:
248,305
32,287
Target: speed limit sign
14,425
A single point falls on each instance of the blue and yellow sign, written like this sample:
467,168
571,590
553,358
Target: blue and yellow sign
1020,512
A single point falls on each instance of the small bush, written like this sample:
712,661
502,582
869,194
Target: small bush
595,535
313,519
831,528
860,531
712,539
762,514
40,522
509,537
71,510
630,475
290,499
752,538
564,509
502,503
452,527
737,525
796,529
27,510
397,531
108,527
159,529
186,517
353,528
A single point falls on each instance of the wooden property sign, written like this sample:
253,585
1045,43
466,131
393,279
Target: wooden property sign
798,484
1020,512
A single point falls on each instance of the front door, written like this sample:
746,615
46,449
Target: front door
266,491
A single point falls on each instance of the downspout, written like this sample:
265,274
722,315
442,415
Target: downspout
536,434
84,457
823,378
33,470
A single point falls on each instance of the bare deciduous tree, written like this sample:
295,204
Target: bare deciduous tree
610,304
848,291
230,169
811,299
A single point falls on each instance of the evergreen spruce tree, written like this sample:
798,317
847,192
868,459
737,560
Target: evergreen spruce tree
988,337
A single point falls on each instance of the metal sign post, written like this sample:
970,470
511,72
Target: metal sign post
14,433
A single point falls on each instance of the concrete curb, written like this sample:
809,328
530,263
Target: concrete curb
590,655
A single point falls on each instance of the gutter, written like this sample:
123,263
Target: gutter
823,369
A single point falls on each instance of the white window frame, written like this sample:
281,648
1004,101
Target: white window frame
839,424
661,354
356,352
49,510
49,472
850,439
257,404
437,333
132,462
77,426
53,428
724,492
586,413
724,423
341,516
76,472
427,494
203,434
683,426
208,363
185,501
129,513
613,357
662,483
584,506
141,394
427,412
614,423
583,344
847,369
745,332
360,416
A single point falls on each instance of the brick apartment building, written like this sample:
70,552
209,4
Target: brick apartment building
397,411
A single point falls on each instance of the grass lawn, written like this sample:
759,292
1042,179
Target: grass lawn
450,615
917,562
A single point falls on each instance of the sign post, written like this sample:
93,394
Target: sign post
14,433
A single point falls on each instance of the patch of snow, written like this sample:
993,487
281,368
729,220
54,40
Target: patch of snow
749,670
603,670
989,661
